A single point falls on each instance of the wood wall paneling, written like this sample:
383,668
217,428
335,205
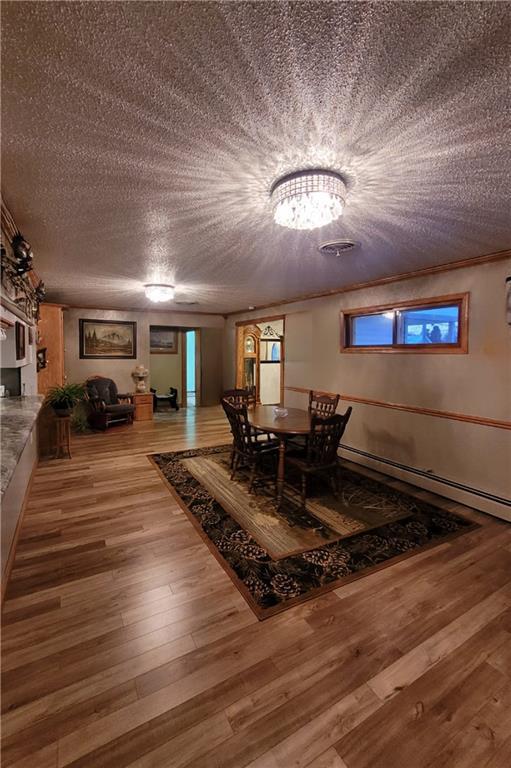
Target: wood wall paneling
51,338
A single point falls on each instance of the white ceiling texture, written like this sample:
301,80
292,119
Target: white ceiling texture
140,141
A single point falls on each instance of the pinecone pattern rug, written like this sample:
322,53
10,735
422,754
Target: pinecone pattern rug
251,538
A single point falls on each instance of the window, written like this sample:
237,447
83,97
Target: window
372,330
425,325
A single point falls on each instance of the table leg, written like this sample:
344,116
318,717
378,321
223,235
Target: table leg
68,437
63,433
280,470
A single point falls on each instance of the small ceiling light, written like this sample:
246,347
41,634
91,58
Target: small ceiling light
308,199
158,292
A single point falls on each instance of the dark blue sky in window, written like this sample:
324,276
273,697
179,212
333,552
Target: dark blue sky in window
434,325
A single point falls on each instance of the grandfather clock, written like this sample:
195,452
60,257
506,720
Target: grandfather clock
247,374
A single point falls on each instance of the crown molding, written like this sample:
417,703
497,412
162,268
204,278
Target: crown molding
461,264
139,309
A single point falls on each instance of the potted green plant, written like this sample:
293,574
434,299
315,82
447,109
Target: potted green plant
63,399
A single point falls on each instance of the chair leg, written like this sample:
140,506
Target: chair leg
232,458
332,476
304,490
252,476
234,464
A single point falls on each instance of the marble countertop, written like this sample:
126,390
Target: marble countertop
17,417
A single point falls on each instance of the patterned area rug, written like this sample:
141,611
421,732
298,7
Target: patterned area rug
291,530
278,558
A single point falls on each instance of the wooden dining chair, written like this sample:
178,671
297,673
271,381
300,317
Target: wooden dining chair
237,396
246,448
322,445
323,405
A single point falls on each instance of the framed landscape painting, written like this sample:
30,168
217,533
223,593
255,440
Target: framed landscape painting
109,339
163,340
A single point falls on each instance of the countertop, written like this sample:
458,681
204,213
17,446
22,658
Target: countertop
17,417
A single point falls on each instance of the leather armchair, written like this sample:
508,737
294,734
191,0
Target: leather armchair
107,405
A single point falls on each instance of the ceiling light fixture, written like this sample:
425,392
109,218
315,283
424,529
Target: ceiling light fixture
308,199
158,292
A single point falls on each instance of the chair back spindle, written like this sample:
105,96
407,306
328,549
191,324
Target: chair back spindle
237,396
323,405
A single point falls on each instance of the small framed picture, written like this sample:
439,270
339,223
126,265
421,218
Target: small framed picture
109,339
41,359
20,341
163,340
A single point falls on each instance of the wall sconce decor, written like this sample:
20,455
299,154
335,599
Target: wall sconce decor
22,254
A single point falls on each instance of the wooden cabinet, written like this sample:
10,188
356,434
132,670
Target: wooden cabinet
51,344
143,406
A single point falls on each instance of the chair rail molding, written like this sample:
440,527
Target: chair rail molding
454,416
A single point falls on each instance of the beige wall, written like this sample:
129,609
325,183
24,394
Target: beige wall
477,384
120,370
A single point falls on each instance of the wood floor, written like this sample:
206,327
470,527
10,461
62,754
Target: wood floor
125,643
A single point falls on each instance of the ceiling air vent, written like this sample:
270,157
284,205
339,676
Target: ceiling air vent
186,303
337,247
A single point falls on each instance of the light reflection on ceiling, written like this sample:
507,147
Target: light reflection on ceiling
140,142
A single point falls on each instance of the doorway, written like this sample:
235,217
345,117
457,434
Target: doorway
191,368
165,362
177,364
260,359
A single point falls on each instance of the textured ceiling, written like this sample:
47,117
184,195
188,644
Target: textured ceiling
140,141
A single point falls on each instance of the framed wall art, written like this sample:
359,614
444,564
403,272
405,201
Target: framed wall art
163,340
108,339
41,359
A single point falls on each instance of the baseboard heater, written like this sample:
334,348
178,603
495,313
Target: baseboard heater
430,476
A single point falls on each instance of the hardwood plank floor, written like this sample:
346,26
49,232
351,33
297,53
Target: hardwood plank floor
125,643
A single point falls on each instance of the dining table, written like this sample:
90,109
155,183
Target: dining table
295,422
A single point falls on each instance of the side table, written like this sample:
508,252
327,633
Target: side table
143,406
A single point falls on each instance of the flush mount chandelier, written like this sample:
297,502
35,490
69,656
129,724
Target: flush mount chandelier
308,199
159,292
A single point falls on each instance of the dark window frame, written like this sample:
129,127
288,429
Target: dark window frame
460,347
